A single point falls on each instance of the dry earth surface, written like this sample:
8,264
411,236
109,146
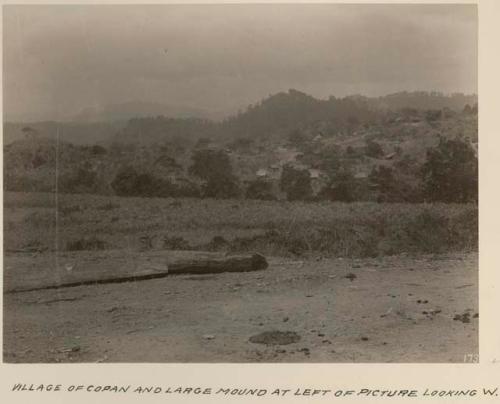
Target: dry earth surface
391,309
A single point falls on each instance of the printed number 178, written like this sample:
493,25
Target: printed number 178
471,358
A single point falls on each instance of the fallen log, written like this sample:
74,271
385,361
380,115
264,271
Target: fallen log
255,262
23,273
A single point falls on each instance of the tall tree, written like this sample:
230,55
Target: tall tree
296,184
450,172
214,167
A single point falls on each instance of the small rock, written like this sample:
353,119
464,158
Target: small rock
209,336
464,318
306,351
364,338
350,276
285,319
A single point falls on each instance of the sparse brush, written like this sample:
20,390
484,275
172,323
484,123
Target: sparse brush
86,244
68,210
108,206
217,243
146,242
175,243
269,227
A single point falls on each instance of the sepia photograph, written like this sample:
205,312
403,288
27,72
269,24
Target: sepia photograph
240,183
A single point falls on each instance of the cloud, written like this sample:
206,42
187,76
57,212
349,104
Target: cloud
59,59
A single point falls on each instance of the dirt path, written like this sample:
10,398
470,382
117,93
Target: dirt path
393,309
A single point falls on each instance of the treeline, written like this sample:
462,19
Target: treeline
449,174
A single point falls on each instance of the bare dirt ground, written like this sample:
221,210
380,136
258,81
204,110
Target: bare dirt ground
391,309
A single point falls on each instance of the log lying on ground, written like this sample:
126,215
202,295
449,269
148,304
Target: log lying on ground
255,262
23,273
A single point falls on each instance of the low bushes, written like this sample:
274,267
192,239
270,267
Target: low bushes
275,228
86,244
425,232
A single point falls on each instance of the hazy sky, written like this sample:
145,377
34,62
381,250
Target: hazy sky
61,59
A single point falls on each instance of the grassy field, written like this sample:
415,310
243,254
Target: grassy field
89,222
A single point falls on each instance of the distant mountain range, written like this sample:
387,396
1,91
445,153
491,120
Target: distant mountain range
138,109
275,116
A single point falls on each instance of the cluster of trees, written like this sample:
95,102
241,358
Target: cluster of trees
130,182
449,174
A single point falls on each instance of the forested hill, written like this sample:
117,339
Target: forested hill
279,114
274,117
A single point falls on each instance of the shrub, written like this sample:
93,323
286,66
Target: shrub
297,138
221,188
108,206
217,243
390,187
373,149
129,182
97,150
429,232
81,181
176,243
342,187
146,242
296,183
260,189
87,244
450,173
68,210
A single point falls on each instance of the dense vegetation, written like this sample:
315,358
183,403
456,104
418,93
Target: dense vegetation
290,146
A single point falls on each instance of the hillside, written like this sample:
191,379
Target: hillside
325,138
276,116
279,114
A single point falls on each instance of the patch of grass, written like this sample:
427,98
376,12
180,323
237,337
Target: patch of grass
176,243
86,244
108,206
218,243
276,228
68,210
424,232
